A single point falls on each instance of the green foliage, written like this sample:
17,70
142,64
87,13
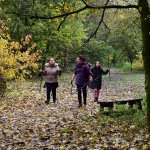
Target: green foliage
124,66
121,45
129,116
65,44
97,50
137,66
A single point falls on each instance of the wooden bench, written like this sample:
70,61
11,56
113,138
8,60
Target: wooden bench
130,102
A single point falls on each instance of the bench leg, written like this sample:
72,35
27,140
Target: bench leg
130,106
110,108
140,105
101,108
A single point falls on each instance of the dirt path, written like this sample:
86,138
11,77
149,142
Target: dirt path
26,123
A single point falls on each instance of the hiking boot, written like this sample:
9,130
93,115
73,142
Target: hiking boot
80,105
96,99
84,102
54,100
46,102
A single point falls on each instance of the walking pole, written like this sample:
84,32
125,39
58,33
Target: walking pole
109,68
41,79
41,74
71,87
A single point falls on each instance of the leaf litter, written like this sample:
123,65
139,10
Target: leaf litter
27,123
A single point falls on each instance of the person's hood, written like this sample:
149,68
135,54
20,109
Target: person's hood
81,64
47,64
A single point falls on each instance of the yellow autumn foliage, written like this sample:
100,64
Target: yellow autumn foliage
15,64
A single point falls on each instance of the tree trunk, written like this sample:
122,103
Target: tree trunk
131,65
3,87
145,23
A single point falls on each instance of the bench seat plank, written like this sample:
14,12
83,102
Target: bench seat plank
131,102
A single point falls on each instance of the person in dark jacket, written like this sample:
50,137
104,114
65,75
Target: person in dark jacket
51,72
96,84
81,75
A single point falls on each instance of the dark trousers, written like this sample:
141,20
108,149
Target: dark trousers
82,89
51,87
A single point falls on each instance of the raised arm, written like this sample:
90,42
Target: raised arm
42,72
105,72
59,71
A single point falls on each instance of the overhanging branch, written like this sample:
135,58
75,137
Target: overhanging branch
84,2
113,6
61,23
74,12
99,24
107,29
47,17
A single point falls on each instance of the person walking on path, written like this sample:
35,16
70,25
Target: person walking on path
96,83
51,72
81,75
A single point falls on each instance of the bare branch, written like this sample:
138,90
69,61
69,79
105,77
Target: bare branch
108,30
99,24
73,12
84,2
61,23
47,17
112,7
14,30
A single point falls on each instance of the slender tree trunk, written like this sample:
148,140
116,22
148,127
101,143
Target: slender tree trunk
131,65
145,23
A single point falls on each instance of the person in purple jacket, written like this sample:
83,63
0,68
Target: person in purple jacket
81,75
